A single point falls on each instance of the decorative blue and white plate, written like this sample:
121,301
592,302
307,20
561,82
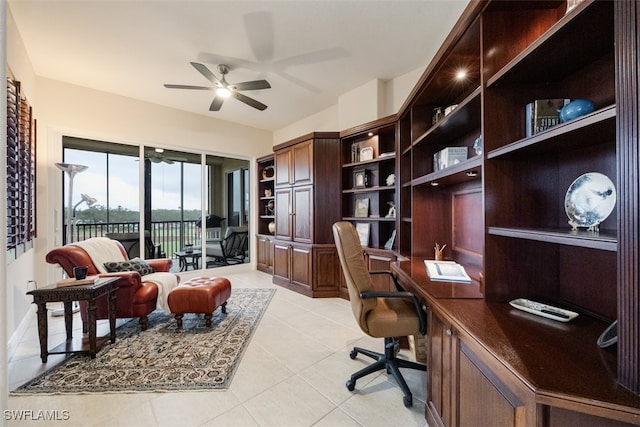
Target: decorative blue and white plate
590,200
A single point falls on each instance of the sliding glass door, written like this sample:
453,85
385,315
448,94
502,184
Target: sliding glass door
177,190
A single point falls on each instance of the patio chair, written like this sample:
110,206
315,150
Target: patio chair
213,227
232,249
131,244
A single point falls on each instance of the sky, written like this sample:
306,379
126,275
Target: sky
124,182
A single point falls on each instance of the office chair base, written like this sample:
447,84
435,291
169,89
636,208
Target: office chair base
389,362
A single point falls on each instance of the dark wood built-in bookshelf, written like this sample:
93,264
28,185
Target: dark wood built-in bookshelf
502,215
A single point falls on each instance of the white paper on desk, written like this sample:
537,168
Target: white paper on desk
448,271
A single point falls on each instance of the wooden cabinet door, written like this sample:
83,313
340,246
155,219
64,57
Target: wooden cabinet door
282,261
439,371
302,163
499,405
265,254
283,165
294,166
301,266
284,213
303,214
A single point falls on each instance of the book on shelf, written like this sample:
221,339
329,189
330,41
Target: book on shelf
543,114
72,281
448,157
448,271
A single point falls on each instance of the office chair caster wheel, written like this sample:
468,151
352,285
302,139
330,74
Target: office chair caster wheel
353,354
351,385
408,401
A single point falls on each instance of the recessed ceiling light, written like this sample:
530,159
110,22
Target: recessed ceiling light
461,74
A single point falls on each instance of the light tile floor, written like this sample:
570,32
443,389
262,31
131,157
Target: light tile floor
292,374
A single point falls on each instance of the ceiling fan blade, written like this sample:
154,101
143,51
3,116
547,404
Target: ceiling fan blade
167,161
253,85
168,86
249,101
259,28
216,104
205,72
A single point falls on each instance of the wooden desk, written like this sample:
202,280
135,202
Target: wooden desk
490,364
67,295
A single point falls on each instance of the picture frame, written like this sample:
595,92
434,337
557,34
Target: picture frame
362,208
360,178
366,153
364,230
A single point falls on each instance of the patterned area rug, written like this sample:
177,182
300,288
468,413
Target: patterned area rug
163,358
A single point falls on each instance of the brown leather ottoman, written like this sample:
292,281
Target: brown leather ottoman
199,295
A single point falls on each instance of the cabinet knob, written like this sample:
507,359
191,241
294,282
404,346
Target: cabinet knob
449,332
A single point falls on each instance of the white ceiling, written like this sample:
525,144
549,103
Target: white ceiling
310,51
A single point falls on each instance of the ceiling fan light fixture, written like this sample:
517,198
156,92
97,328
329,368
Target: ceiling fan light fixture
223,89
223,92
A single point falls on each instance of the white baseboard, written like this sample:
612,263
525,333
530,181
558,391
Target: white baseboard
21,330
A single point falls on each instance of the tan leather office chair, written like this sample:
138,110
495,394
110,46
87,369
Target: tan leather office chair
379,314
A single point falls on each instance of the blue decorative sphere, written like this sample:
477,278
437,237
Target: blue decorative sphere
575,109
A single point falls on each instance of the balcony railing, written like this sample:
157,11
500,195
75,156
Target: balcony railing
171,235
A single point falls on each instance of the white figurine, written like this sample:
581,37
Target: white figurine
392,210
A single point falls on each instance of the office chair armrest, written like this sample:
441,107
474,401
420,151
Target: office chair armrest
404,295
393,277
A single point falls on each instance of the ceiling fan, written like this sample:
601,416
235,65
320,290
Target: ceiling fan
224,89
158,155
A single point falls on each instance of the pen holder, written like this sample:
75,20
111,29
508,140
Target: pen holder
439,254
80,273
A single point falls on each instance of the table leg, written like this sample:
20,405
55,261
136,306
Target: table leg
112,316
42,330
91,319
68,319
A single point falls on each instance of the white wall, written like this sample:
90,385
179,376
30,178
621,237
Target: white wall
370,101
361,105
325,120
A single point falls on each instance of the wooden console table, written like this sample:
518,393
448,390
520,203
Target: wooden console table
67,295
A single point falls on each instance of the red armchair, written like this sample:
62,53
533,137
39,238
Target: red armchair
134,297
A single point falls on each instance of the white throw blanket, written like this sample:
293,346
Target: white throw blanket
103,249
166,282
